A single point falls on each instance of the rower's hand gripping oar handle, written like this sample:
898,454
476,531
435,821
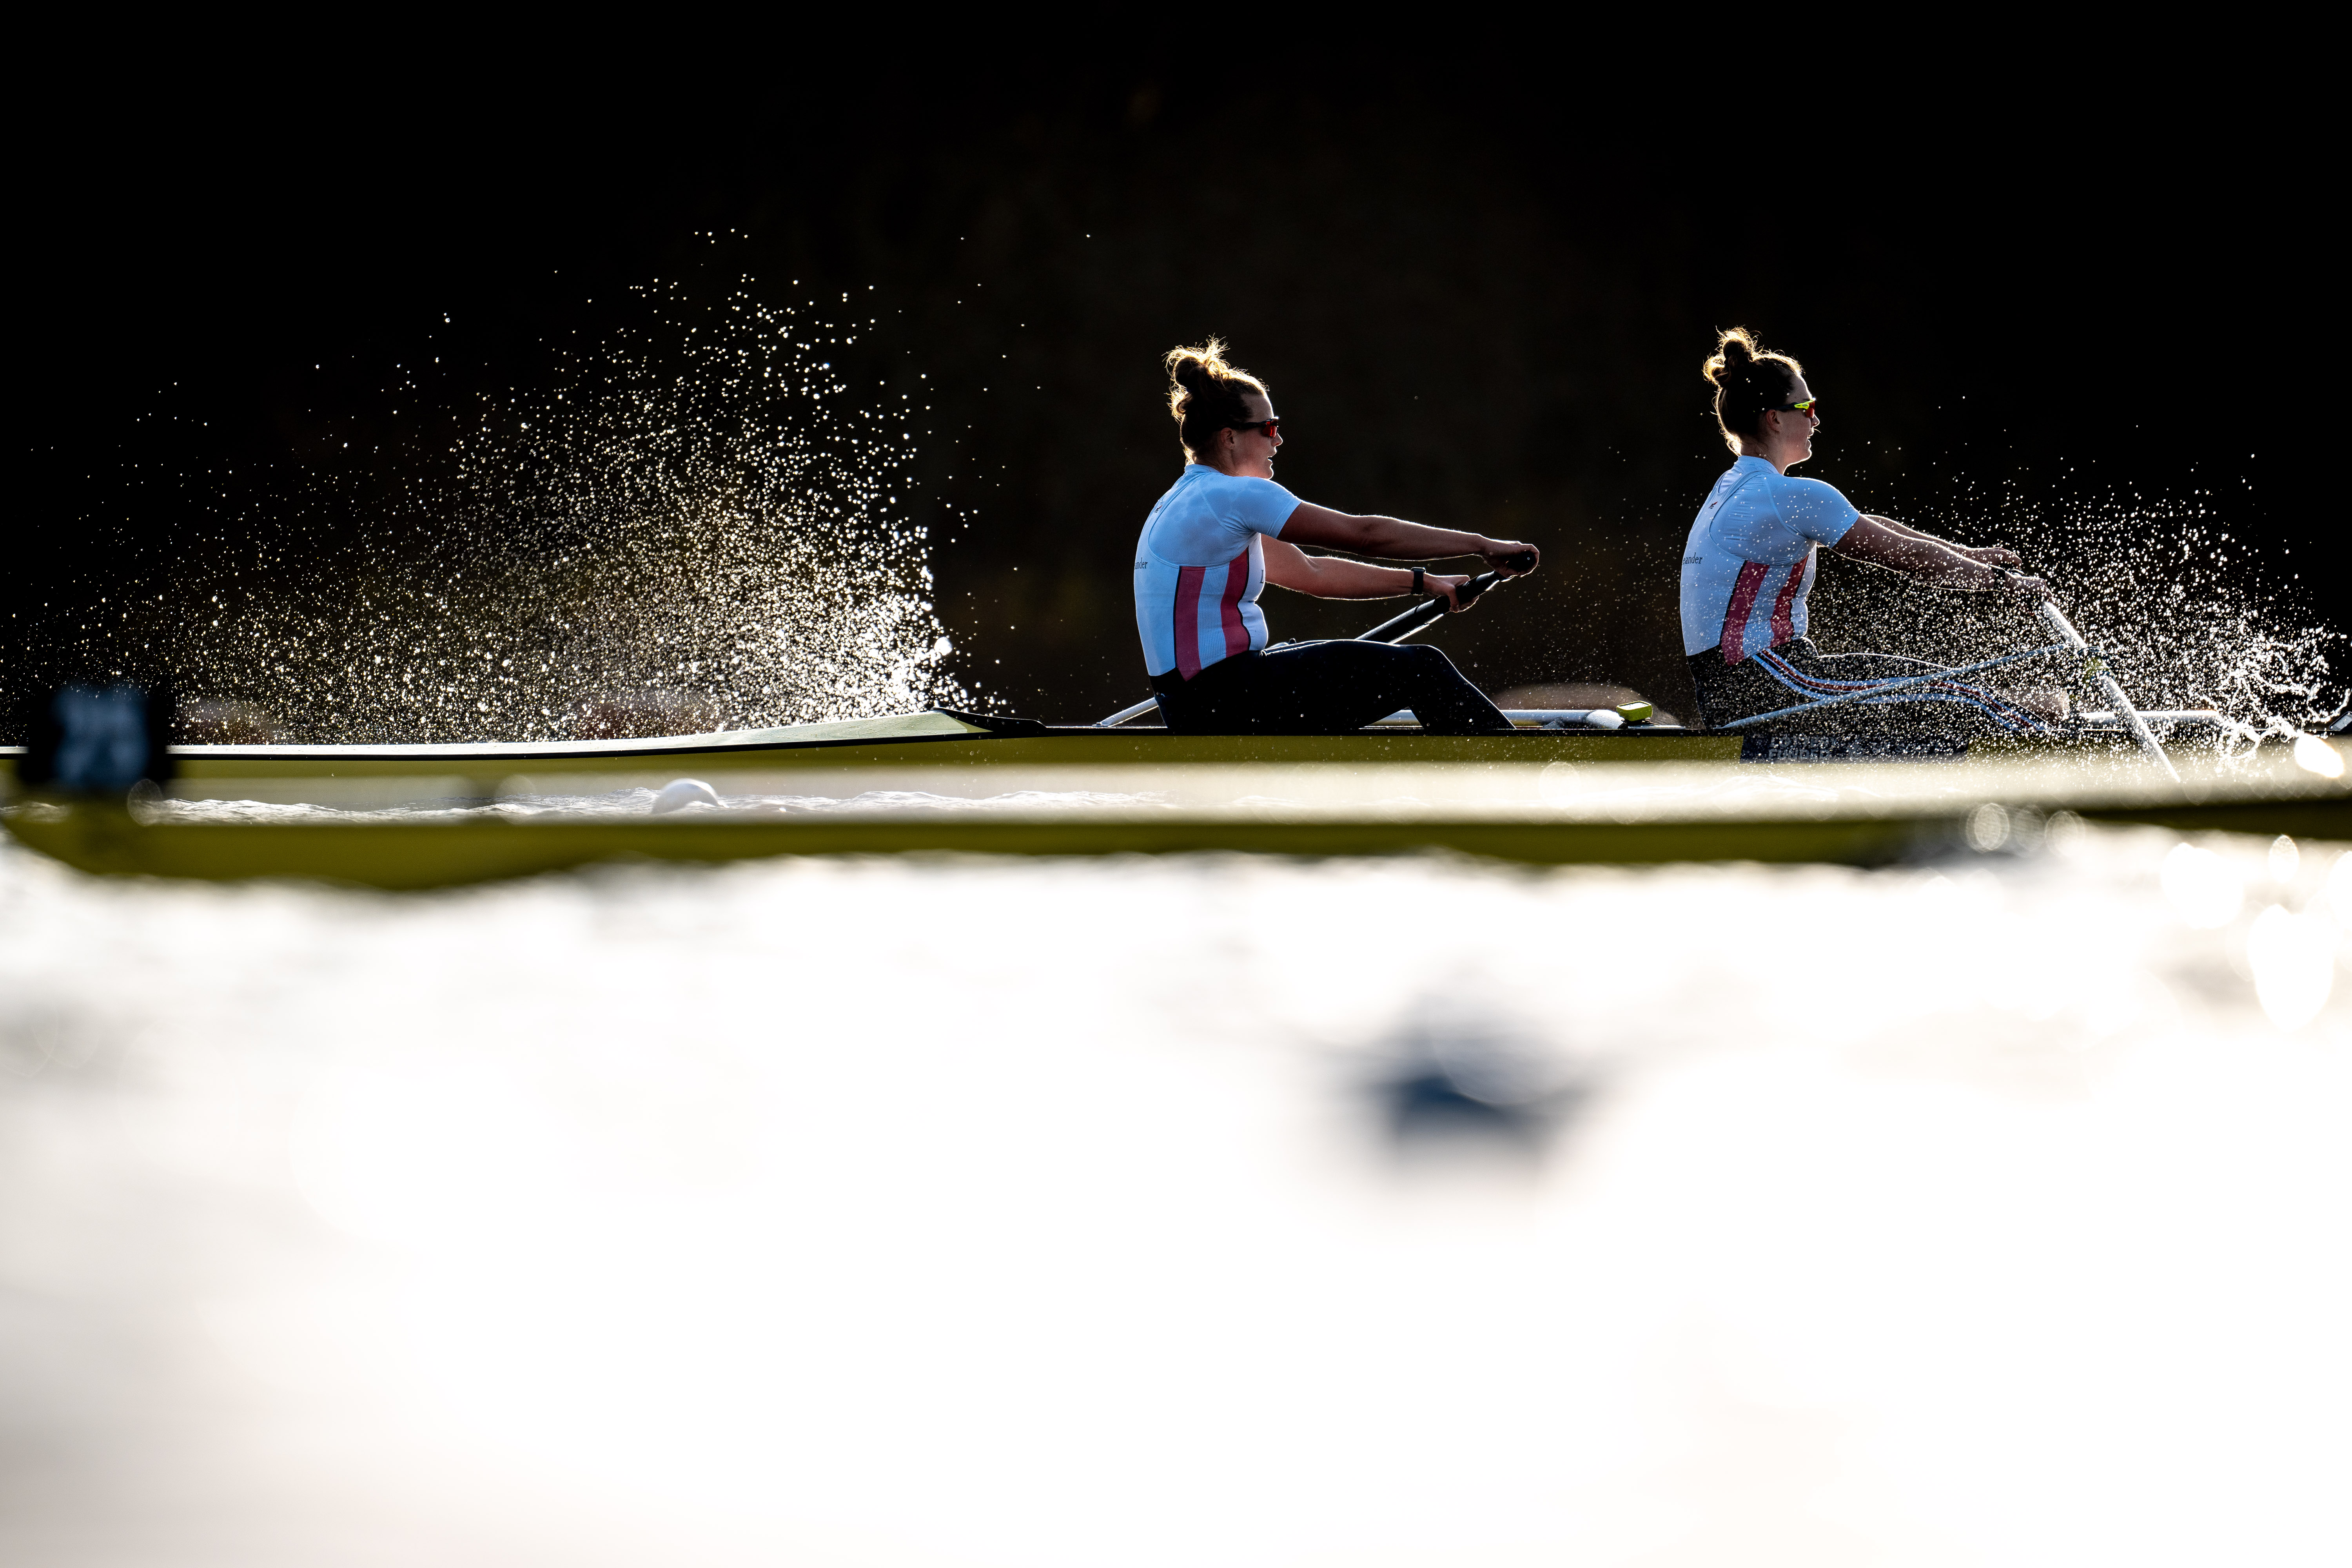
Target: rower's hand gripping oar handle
1430,611
1513,566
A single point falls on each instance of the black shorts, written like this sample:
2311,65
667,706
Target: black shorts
1324,689
1797,671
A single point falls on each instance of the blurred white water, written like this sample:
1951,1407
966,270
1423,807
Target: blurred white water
972,1211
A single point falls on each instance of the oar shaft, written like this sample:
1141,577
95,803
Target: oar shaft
1430,611
1123,714
2055,619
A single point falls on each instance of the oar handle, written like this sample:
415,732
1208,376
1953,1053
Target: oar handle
1470,590
1431,610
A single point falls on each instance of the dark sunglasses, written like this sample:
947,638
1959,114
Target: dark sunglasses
1266,427
1807,406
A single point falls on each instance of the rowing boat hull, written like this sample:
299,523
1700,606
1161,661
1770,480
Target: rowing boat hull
420,816
1603,813
410,855
403,856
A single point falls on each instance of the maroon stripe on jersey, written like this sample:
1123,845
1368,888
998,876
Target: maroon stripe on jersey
1188,620
1229,605
1784,615
1735,617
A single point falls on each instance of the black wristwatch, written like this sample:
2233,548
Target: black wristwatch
1420,581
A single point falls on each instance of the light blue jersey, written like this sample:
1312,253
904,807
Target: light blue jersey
1199,567
1750,562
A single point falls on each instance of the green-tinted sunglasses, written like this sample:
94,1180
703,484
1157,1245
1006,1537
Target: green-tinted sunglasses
1807,406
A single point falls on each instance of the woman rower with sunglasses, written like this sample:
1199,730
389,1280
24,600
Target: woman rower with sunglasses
1225,530
1750,561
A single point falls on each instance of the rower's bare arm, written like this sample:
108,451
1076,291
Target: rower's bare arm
1898,548
1331,577
1394,538
1990,555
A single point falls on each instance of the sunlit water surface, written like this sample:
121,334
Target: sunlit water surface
975,1212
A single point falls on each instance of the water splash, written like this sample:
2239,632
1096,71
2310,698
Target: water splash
2189,617
697,526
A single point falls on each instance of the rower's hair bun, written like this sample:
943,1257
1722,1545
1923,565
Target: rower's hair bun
1195,369
1206,394
1746,382
1735,350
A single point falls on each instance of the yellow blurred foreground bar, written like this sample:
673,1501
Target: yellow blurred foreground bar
1557,813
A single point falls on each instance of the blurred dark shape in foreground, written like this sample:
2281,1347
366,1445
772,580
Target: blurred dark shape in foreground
95,741
1469,1085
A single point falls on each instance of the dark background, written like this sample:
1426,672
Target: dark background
1480,289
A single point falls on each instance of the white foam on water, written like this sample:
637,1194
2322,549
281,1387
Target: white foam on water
961,1210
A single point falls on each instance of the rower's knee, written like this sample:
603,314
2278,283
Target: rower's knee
1425,658
1432,666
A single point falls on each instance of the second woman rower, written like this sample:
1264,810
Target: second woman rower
1225,530
1749,564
